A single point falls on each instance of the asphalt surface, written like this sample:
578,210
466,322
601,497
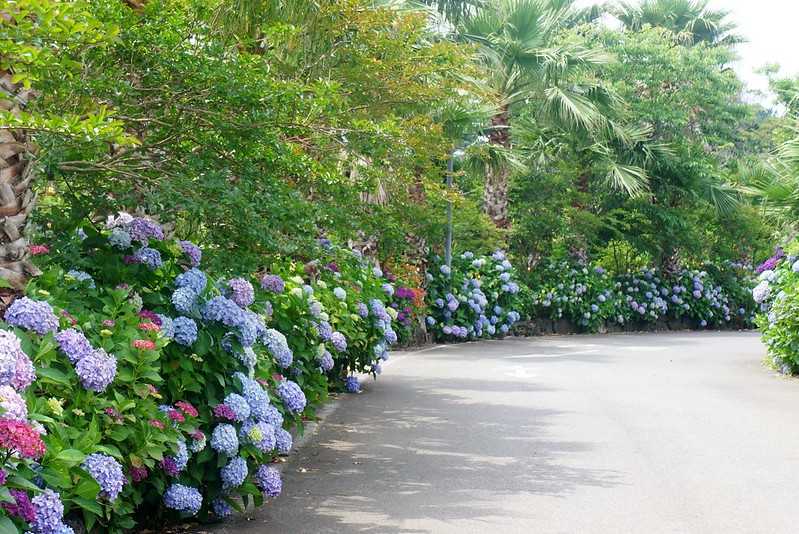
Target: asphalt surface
658,433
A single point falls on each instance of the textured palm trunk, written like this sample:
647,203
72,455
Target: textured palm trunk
16,194
495,192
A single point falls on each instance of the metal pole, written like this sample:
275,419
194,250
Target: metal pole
448,246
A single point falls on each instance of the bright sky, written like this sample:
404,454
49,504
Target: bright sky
771,30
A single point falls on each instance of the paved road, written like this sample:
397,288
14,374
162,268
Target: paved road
668,433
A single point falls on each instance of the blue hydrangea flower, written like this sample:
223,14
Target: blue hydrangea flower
167,328
239,405
272,283
221,508
338,341
224,439
73,344
283,441
192,251
185,331
32,315
119,238
241,292
325,330
326,362
82,276
445,270
181,457
268,479
363,310
352,385
107,472
184,499
225,311
272,416
194,279
258,433
255,395
388,289
97,370
149,257
292,396
278,347
234,473
183,299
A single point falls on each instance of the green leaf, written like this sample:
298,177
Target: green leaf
53,375
7,527
70,456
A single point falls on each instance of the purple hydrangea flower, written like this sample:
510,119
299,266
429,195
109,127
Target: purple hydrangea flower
225,311
221,508
21,506
142,230
234,473
326,362
292,396
107,472
224,439
352,385
241,292
32,315
12,406
185,331
97,370
73,344
239,405
49,513
363,310
260,434
183,499
194,279
272,283
192,251
283,441
149,257
338,341
268,479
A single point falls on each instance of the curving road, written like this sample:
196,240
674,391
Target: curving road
665,433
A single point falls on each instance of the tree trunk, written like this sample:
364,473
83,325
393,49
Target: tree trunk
16,195
495,194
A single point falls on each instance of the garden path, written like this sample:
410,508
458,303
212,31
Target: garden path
665,433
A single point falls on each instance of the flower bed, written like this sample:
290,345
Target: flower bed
591,299
474,298
137,389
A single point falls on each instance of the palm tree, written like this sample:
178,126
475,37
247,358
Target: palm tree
527,65
692,19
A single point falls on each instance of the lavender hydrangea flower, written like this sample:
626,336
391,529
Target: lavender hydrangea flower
97,370
272,283
268,479
260,434
325,330
283,441
49,514
339,293
278,347
107,472
223,310
234,473
12,406
149,257
192,251
10,351
224,439
292,396
24,374
183,499
363,310
185,331
141,230
119,238
32,315
352,385
326,362
338,341
239,405
272,416
194,279
241,292
315,308
761,292
221,508
73,344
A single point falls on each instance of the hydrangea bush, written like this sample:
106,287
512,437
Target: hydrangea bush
161,391
477,297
